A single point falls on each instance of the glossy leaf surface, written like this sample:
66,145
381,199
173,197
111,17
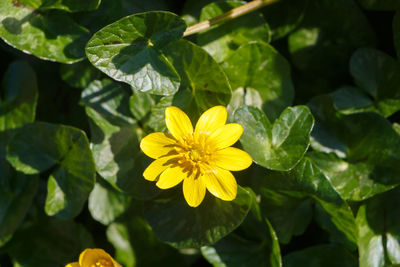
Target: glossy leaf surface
277,146
129,50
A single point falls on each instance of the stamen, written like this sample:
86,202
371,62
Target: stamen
103,263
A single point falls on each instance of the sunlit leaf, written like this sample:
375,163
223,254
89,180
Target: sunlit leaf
52,35
260,67
115,138
378,228
105,203
129,50
277,146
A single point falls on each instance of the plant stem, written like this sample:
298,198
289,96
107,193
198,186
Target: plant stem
231,14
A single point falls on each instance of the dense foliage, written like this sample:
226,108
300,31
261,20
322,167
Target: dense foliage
314,83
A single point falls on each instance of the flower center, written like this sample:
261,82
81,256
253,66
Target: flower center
103,263
196,154
194,151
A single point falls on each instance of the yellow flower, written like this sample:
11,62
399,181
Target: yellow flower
94,258
202,158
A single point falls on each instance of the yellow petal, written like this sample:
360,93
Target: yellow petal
158,166
194,190
73,264
211,120
91,256
225,136
156,145
232,159
220,183
172,176
178,123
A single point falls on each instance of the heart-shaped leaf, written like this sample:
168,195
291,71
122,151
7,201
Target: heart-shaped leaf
129,50
287,197
363,163
175,222
65,152
278,146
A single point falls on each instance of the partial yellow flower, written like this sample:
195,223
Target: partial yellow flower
202,158
94,257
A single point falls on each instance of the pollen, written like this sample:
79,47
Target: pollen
103,263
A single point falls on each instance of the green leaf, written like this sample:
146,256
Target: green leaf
106,204
369,162
110,11
52,35
16,195
79,75
348,100
136,245
182,99
380,4
62,150
118,235
375,73
175,222
66,5
140,104
278,146
289,214
339,221
129,50
191,10
305,180
330,32
50,242
378,227
243,97
115,138
284,16
19,97
321,255
200,73
221,41
396,127
260,67
234,250
353,181
204,84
